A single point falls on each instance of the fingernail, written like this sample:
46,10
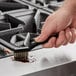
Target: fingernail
37,39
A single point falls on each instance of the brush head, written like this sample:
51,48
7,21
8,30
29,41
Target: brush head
21,56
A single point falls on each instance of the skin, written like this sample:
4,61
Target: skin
63,22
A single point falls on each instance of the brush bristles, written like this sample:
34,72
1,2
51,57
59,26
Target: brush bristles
21,56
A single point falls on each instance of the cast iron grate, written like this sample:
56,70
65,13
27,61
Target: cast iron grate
25,16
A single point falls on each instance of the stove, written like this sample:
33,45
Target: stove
18,17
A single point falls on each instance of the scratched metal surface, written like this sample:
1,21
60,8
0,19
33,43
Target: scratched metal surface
50,62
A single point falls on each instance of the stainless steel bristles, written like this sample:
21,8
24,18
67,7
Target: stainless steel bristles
21,56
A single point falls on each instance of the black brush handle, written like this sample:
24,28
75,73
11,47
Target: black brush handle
34,43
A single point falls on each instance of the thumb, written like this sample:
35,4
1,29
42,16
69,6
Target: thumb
47,32
41,38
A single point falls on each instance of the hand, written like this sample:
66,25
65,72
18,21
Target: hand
62,21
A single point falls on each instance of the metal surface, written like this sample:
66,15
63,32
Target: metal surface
33,5
46,62
6,6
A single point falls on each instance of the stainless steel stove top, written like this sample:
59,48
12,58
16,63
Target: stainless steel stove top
45,62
